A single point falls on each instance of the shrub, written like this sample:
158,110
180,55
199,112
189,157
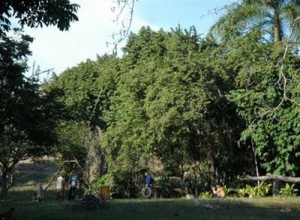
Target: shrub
164,188
228,191
288,190
256,191
206,195
104,180
124,185
242,192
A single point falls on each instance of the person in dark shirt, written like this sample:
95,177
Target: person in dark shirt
73,184
148,184
149,180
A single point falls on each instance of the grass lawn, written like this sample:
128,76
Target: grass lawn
229,208
29,175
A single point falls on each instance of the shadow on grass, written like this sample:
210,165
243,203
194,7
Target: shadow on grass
35,173
269,208
26,195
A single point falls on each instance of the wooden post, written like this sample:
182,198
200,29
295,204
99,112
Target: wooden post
275,188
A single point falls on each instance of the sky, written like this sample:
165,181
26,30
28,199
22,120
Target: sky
96,29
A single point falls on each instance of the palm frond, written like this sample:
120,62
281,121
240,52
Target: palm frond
240,19
248,15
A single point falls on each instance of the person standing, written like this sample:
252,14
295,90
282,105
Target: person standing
40,194
148,184
73,183
149,180
60,187
187,182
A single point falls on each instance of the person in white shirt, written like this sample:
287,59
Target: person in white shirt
60,187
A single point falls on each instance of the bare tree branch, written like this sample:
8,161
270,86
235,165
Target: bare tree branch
123,8
271,177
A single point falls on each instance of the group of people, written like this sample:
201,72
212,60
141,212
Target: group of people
74,181
73,187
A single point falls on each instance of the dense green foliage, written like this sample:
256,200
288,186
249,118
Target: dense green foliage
34,13
187,100
164,99
173,101
85,92
28,114
267,97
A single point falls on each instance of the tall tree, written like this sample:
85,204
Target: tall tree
167,103
276,19
269,104
86,91
26,110
26,113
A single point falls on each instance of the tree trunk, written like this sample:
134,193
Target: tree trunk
4,187
95,161
255,160
277,27
92,163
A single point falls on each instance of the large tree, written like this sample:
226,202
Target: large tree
85,94
168,103
275,19
27,113
267,98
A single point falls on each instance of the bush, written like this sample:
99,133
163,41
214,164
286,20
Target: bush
124,185
206,195
288,190
255,191
167,187
228,191
104,180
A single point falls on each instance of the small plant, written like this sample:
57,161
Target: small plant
252,191
227,191
255,191
206,195
98,183
288,190
242,192
263,190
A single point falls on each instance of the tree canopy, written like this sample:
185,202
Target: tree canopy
34,13
27,114
163,98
